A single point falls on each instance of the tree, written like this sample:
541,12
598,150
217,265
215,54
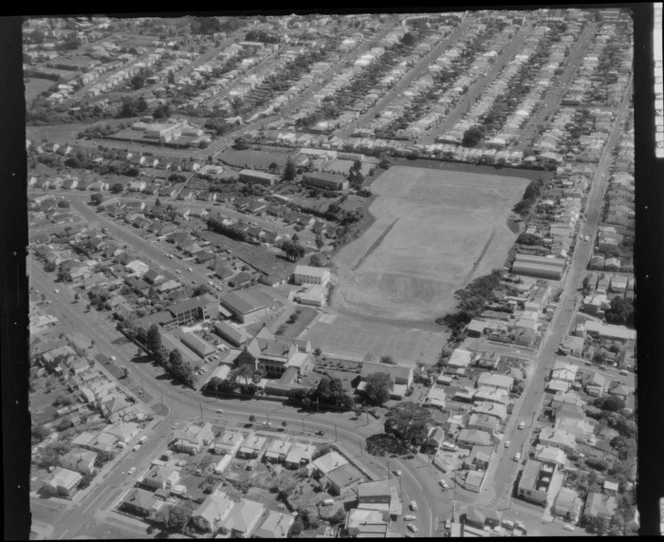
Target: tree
408,39
38,433
175,358
611,403
102,458
273,167
137,82
252,418
179,515
201,289
472,136
290,170
154,339
309,517
49,267
64,204
297,527
117,188
377,391
96,199
162,111
387,360
284,423
157,203
408,422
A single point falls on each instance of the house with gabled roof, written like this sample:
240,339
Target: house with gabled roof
61,482
243,518
275,525
212,512
139,502
228,443
159,477
192,439
600,506
79,460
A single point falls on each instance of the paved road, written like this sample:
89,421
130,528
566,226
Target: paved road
185,404
502,470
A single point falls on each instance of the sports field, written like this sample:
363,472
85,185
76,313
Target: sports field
352,337
434,231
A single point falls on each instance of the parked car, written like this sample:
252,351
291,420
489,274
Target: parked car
412,527
522,425
56,291
219,411
413,506
508,524
409,517
396,472
136,447
568,527
444,484
507,444
517,457
131,470
320,433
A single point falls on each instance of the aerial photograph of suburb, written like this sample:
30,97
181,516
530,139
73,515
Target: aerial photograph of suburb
329,275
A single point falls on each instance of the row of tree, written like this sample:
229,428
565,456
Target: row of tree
329,393
172,361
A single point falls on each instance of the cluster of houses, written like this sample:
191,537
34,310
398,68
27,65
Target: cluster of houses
518,319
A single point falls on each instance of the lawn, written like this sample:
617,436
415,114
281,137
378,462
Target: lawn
305,317
434,231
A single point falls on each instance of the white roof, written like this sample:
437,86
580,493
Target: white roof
312,271
460,358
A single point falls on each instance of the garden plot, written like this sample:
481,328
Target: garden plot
434,231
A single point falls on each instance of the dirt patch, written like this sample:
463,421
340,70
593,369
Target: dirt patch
434,230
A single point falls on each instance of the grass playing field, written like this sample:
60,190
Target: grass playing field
434,231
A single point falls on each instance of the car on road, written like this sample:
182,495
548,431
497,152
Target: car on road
588,364
178,271
409,517
136,447
623,372
568,527
142,439
444,484
320,433
448,524
113,358
268,424
190,269
396,472
586,238
56,291
121,444
517,457
508,524
412,527
413,506
219,411
522,425
507,444
131,470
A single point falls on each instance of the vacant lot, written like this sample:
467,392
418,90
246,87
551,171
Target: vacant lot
348,336
434,230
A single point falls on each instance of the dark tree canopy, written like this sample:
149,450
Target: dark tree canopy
377,391
408,422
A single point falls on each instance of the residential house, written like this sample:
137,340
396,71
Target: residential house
567,505
363,523
122,431
480,517
277,451
252,447
299,455
61,482
243,519
535,484
276,525
342,478
479,457
79,460
212,512
595,385
160,477
139,502
192,439
228,444
472,437
327,463
501,382
600,506
562,439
